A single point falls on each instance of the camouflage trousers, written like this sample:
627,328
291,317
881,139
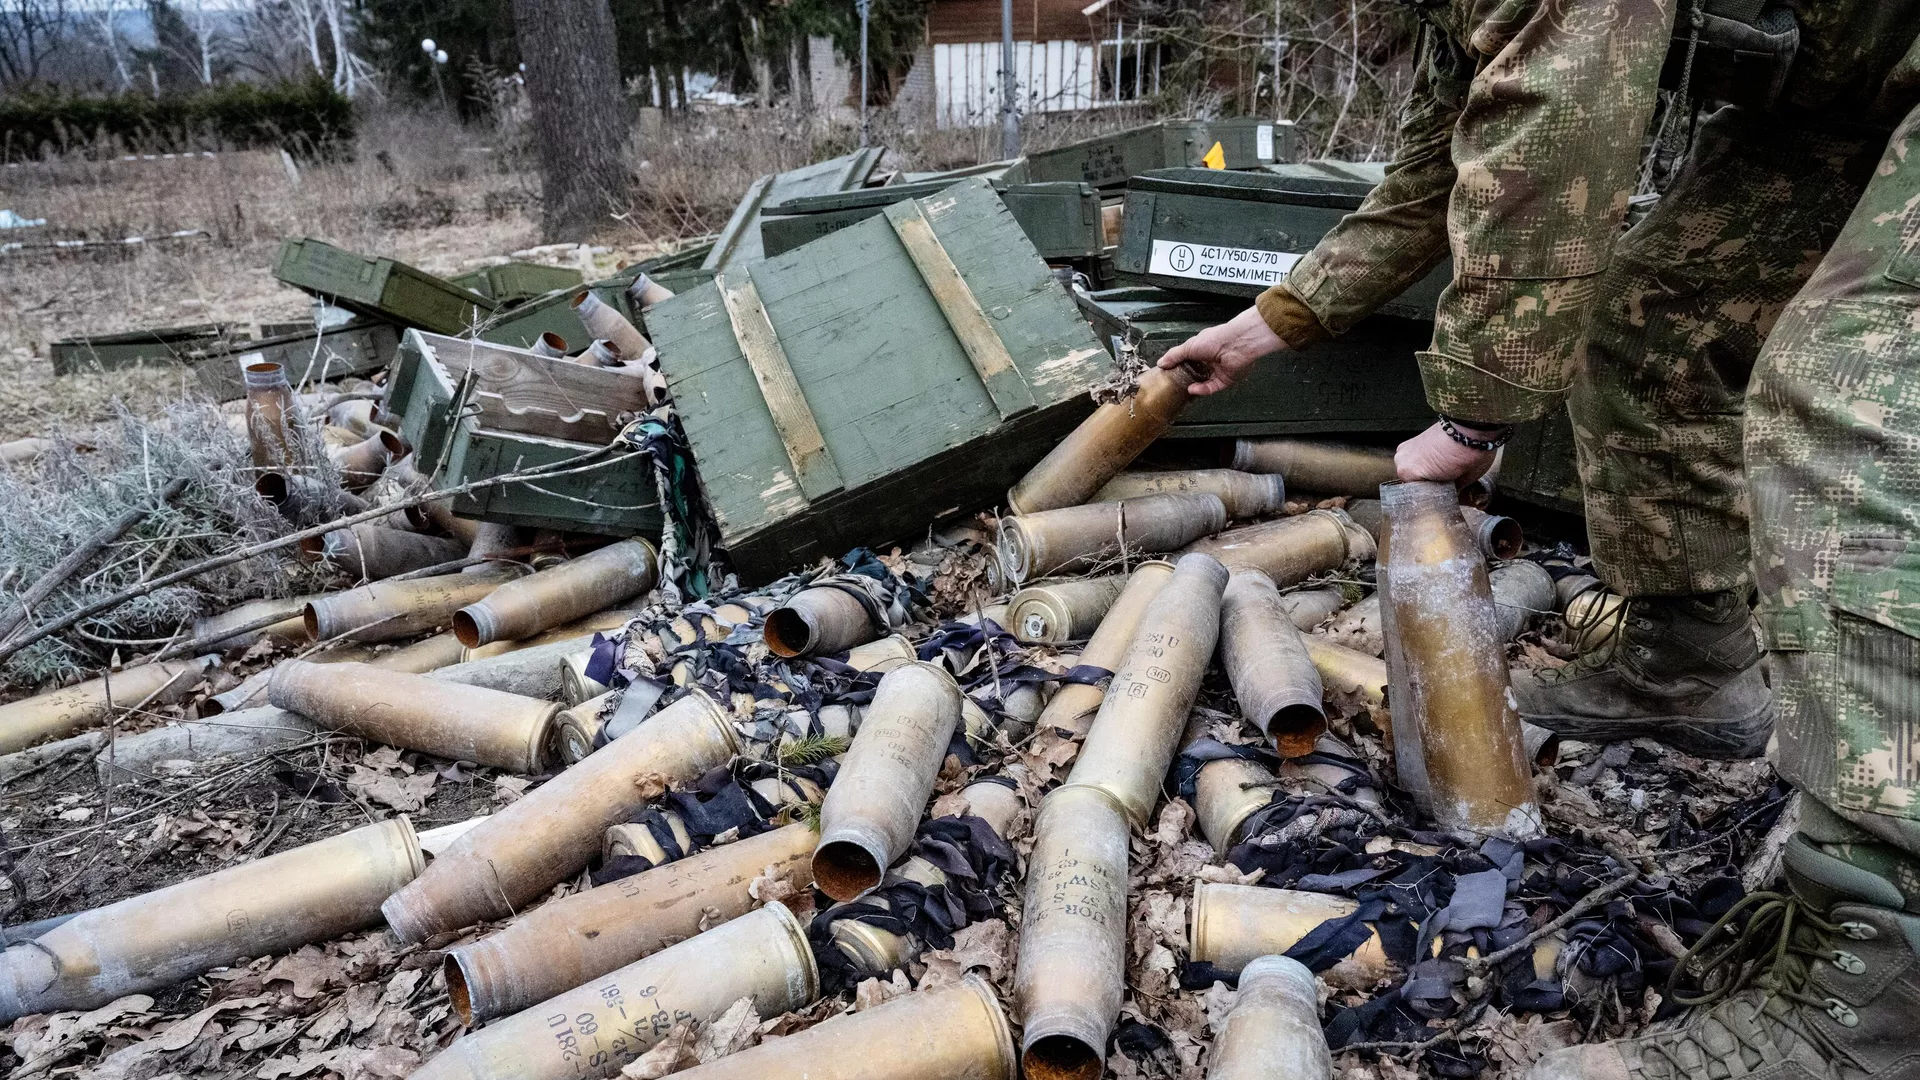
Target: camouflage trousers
1681,314
1833,458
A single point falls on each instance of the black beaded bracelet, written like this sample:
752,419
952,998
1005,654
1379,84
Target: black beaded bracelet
1488,446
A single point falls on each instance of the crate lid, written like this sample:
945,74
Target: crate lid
1291,188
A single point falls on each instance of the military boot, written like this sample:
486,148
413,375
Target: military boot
1822,983
1682,669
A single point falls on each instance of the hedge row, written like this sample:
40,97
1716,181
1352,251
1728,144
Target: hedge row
307,118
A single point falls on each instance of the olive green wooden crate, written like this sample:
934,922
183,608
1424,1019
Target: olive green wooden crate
521,326
1363,380
379,288
1062,219
906,368
1108,161
133,348
517,282
472,410
739,241
358,348
681,270
1236,233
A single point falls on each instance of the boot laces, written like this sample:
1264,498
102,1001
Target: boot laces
1595,645
1772,949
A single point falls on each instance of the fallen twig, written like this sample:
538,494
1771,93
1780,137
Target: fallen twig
51,581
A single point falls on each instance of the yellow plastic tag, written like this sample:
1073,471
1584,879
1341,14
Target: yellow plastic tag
1216,158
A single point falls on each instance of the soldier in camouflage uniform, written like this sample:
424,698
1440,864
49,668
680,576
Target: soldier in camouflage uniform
1519,152
1831,980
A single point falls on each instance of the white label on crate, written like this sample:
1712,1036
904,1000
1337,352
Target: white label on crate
1211,262
1263,142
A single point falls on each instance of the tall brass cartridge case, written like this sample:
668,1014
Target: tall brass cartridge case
1522,592
594,1029
1074,704
361,463
553,831
427,654
242,733
1499,538
550,345
995,803
1348,671
550,598
819,621
398,708
602,320
291,628
583,629
647,292
1309,608
1145,709
1225,794
1456,731
882,655
1324,468
59,713
1062,610
570,941
273,421
385,611
1247,495
1073,935
1273,1029
369,552
874,951
577,686
950,1033
1076,537
1273,677
575,729
1229,926
1291,549
1103,444
311,893
882,788
530,672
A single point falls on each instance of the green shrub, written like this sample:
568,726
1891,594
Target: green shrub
308,118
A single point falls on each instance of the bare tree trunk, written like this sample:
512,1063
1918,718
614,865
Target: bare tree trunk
573,86
802,67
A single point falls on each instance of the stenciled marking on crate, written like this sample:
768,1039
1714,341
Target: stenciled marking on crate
1216,262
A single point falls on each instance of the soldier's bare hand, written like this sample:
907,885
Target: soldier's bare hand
1433,455
1225,352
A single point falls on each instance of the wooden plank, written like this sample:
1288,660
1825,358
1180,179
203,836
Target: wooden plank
799,433
552,384
985,351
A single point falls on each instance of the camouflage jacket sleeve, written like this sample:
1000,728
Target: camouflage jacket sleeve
1543,154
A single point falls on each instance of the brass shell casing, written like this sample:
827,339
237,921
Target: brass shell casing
576,728
1077,537
1073,705
882,655
1104,443
290,629
273,421
1522,592
570,941
59,713
1324,468
594,1029
398,708
1273,1029
573,590
1309,608
1073,935
1247,495
870,813
361,463
1062,610
1133,737
370,552
1230,925
311,893
1456,730
996,804
874,951
387,611
603,320
954,1032
1291,549
819,621
1225,794
1273,677
634,838
1348,671
1499,538
553,831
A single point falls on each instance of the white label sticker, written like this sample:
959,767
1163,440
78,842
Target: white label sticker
1263,142
1211,262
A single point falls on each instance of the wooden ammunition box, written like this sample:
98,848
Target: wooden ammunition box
1363,380
521,326
904,369
1062,219
133,348
472,410
739,241
1236,233
380,288
358,348
517,282
1108,161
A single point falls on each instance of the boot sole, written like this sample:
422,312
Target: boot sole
1726,739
